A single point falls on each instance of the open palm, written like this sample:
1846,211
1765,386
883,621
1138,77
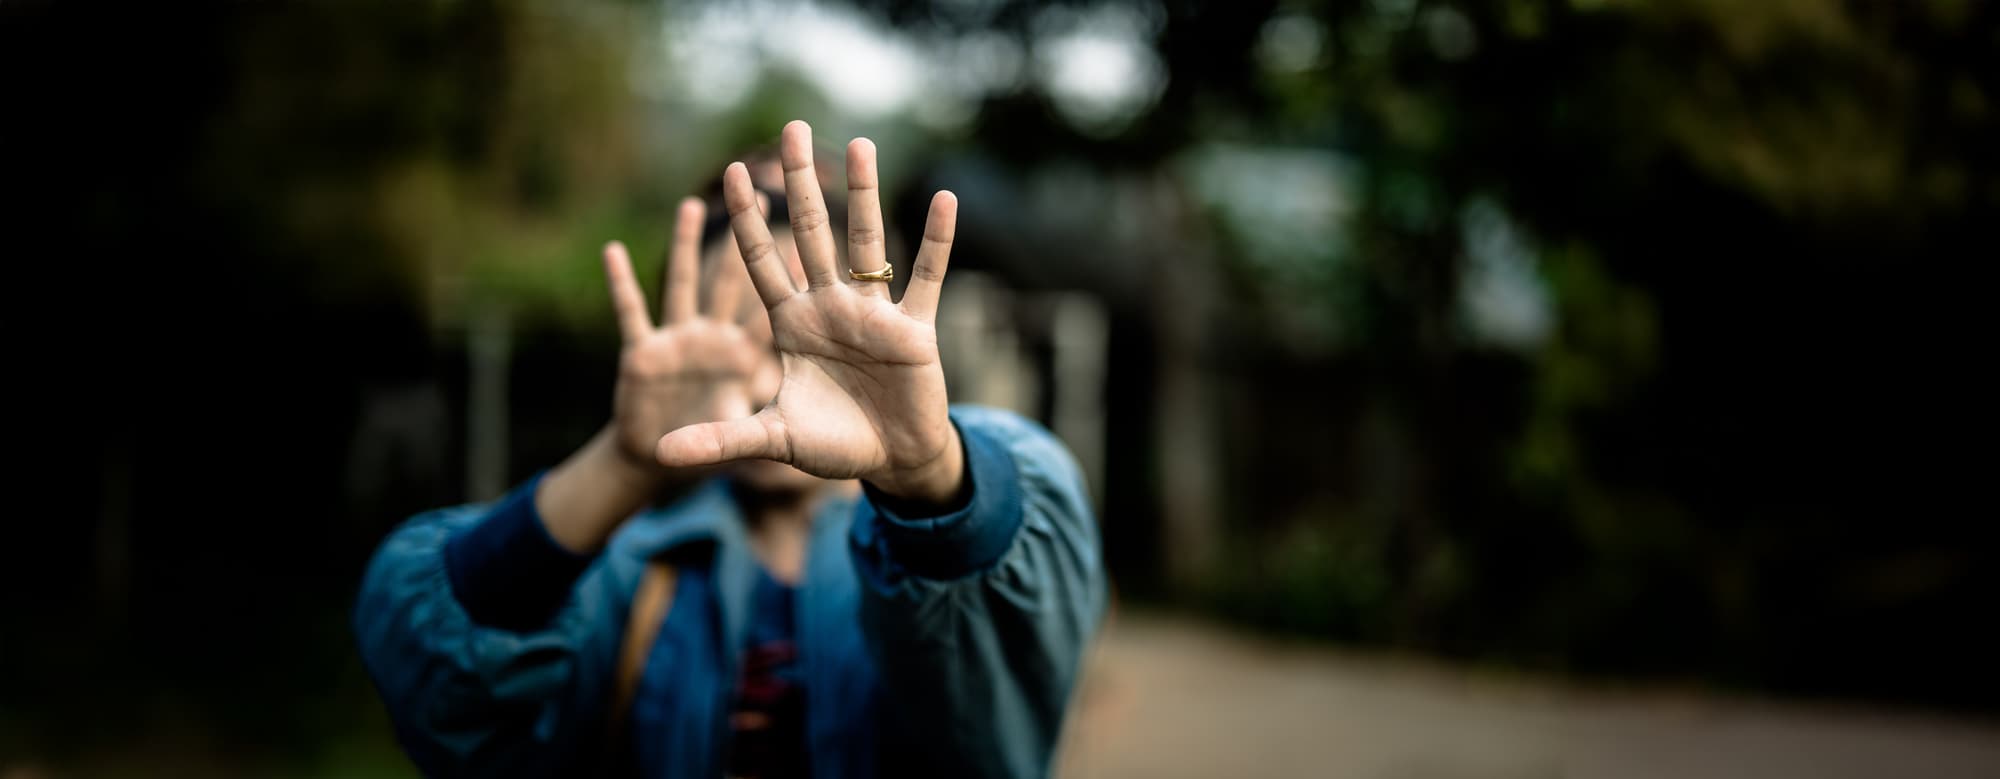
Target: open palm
697,365
863,394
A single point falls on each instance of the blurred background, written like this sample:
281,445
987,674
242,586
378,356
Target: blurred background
1513,388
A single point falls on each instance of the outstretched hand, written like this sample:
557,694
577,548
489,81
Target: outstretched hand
696,365
863,394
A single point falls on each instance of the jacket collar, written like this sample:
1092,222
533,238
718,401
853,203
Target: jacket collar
710,515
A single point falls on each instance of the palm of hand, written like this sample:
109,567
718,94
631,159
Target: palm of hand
695,368
683,374
863,389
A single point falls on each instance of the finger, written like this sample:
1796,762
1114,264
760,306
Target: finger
753,238
728,275
626,299
808,206
864,216
759,436
787,249
927,274
683,283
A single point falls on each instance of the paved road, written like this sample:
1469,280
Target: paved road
1168,697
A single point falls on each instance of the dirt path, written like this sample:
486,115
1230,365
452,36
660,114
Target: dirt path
1169,697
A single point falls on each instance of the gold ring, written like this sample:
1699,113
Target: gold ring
887,273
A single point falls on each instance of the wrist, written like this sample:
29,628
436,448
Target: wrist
933,487
587,496
609,454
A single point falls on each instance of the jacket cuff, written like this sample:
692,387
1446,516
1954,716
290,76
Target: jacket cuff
955,544
506,570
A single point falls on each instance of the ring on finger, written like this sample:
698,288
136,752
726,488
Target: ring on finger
887,273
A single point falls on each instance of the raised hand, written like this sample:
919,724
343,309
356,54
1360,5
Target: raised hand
697,365
863,394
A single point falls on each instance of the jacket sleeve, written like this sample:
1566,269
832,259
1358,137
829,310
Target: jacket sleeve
978,619
470,699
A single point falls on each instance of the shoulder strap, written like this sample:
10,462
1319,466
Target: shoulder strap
650,604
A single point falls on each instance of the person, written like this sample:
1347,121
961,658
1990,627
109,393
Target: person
858,579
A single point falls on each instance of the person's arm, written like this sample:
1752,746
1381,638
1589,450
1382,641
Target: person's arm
586,497
978,618
976,542
471,699
514,568
492,631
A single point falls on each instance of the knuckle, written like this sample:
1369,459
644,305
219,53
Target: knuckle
808,220
864,236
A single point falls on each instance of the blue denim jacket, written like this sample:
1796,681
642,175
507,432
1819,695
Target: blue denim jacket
931,646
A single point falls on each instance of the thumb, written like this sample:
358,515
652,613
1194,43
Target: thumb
759,436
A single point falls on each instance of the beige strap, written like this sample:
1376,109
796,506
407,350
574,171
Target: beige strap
649,610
